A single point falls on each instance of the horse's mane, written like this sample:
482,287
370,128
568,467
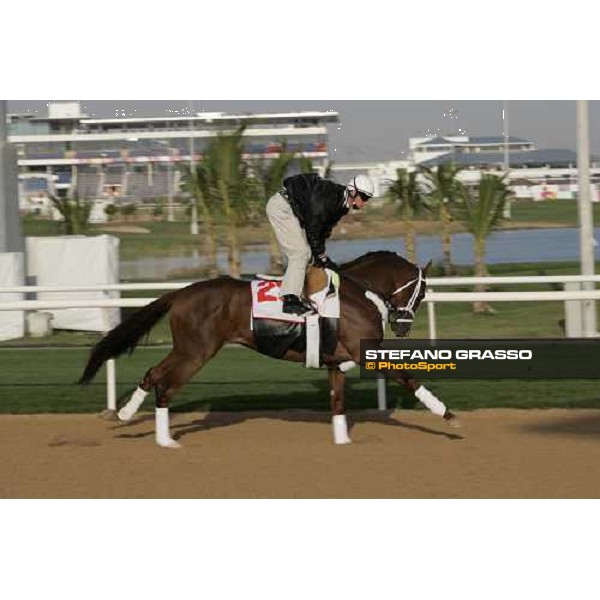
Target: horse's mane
370,255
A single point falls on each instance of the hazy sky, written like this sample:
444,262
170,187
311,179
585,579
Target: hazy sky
373,130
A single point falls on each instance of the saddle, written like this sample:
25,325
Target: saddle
276,332
320,288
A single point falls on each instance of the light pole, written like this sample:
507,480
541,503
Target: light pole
11,236
506,212
452,114
194,216
170,207
125,179
586,221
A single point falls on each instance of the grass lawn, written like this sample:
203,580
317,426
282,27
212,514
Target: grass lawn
41,381
564,212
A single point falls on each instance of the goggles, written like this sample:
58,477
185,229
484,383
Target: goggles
363,195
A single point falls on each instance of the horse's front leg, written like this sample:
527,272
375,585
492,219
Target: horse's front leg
430,400
336,393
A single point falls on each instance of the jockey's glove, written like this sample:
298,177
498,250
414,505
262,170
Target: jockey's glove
324,262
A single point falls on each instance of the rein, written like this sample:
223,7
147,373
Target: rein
408,309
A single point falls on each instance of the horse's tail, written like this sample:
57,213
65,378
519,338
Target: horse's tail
125,337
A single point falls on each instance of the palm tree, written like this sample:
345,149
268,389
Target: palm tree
269,177
305,164
444,193
196,182
231,186
406,194
74,211
481,213
328,170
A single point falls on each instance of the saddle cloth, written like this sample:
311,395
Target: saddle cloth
267,304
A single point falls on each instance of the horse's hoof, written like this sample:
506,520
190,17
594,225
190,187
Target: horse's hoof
452,420
342,442
169,444
108,415
125,415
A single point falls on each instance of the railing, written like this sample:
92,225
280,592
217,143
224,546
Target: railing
431,298
568,281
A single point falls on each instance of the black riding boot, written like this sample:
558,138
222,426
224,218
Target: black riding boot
295,306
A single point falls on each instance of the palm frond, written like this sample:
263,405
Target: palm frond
482,212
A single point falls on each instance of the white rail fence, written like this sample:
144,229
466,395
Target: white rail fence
578,289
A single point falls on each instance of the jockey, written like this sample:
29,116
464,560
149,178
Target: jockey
302,214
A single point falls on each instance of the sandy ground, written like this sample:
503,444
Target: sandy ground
497,454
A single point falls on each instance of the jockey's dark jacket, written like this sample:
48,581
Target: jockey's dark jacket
318,204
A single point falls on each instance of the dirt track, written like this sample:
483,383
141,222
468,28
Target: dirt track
501,454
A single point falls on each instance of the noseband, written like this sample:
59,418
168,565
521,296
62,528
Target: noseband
405,314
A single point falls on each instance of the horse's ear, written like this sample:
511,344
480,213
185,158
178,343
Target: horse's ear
426,268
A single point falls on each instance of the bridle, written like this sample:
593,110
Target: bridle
389,311
405,314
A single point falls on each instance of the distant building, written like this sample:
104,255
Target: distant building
431,148
537,174
136,158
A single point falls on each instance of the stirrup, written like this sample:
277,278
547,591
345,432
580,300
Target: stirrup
296,306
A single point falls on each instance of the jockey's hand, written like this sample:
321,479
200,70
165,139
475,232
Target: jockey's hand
324,262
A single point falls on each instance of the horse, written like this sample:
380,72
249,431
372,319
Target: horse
206,315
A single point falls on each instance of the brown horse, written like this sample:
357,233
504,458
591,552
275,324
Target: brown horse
206,315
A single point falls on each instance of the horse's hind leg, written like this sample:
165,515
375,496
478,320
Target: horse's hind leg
177,376
150,379
336,391
129,409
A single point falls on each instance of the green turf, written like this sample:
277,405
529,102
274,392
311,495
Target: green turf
42,381
563,212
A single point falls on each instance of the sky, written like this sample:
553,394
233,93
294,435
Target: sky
378,130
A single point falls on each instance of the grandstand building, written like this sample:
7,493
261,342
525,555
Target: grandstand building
128,159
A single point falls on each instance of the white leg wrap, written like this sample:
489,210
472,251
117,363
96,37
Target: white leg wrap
340,430
437,407
133,405
163,436
346,366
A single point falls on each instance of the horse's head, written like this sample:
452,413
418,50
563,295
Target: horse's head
399,283
404,301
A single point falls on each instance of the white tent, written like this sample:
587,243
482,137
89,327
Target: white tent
12,322
76,261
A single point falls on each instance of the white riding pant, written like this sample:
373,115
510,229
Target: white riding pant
292,239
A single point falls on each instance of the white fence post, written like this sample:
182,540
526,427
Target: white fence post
111,384
573,318
381,392
431,319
